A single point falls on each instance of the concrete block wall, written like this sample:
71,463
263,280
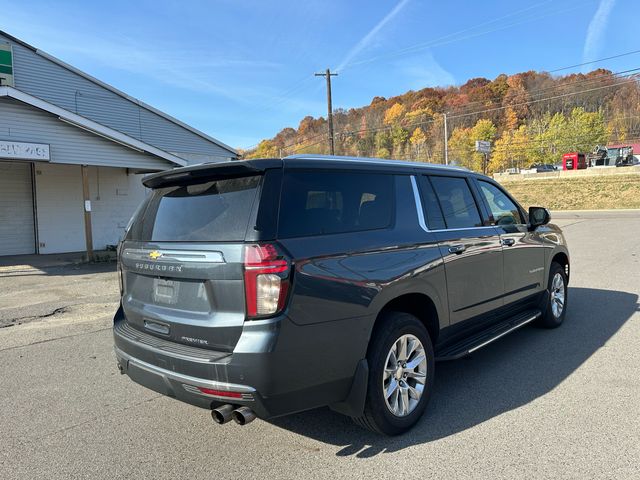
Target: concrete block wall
114,194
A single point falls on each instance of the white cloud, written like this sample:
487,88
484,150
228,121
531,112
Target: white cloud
365,41
596,31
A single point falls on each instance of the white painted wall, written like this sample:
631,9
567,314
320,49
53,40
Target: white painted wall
59,208
114,198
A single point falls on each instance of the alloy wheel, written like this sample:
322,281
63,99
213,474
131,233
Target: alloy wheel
557,295
404,375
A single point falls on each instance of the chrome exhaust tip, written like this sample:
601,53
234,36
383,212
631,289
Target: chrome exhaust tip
223,414
243,415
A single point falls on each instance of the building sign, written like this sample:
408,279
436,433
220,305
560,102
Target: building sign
6,65
24,151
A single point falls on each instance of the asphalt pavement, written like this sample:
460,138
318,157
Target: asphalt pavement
558,404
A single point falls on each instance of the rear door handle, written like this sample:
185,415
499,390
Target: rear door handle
508,242
457,249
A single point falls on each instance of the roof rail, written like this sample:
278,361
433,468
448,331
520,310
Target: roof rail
377,161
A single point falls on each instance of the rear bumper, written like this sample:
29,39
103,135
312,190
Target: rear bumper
185,387
276,368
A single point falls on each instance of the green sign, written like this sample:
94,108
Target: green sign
6,65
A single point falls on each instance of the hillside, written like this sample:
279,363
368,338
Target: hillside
529,117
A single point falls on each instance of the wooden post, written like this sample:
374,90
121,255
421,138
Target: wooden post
88,235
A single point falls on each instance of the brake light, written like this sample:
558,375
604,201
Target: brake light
120,279
119,264
266,280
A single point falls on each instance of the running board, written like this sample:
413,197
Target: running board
470,344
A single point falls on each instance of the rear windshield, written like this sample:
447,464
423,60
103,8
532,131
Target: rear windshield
217,210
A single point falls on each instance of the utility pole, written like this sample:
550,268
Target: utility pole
327,74
446,140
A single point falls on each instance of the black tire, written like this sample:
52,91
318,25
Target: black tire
548,318
377,416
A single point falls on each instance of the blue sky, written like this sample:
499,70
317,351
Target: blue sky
242,70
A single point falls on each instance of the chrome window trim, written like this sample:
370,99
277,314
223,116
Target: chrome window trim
418,202
187,256
421,220
463,228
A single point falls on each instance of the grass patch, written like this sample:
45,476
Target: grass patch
579,193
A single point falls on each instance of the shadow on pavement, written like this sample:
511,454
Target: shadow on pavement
501,377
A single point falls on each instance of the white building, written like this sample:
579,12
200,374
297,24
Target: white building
72,151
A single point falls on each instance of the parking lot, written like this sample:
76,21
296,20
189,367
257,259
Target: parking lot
562,403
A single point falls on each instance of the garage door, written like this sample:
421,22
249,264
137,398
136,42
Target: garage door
16,209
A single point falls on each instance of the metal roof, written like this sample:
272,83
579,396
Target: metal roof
89,125
118,92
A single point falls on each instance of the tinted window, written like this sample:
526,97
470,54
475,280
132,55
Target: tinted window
315,203
435,220
214,211
455,198
504,211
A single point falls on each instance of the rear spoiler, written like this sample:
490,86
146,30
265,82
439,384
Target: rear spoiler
209,171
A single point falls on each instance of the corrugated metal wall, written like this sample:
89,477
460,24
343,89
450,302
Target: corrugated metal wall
22,123
17,235
49,81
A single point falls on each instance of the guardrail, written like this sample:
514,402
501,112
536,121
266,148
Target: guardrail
588,172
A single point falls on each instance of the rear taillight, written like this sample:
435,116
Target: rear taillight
266,280
120,279
119,263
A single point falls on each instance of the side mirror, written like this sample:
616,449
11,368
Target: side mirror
538,216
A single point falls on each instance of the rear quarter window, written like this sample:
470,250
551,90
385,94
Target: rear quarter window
318,203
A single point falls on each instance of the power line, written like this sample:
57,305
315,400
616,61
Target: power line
447,39
594,61
559,86
544,99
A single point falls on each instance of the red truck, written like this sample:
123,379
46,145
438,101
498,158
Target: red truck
574,161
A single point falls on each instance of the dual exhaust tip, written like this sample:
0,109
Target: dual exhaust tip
240,415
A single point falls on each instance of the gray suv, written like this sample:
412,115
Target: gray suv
265,287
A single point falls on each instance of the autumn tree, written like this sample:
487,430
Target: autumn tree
418,140
394,114
384,144
511,150
461,147
265,149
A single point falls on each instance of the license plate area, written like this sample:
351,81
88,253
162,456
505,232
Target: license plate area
165,291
